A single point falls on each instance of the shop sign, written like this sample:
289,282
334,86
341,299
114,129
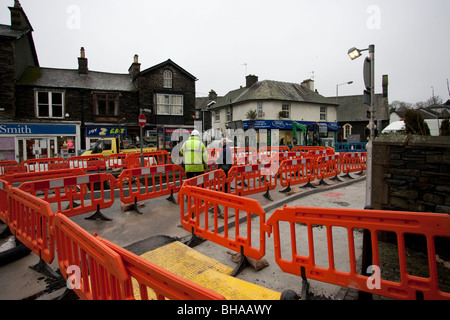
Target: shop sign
37,129
105,131
282,124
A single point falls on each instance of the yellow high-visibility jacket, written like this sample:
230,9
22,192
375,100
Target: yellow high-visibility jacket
195,155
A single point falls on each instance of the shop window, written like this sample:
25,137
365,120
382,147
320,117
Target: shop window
106,104
49,104
169,104
167,77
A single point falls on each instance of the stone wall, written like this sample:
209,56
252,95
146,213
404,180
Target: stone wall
411,173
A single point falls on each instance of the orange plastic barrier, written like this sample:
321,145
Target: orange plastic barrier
101,273
114,161
42,175
306,149
158,157
327,167
31,222
296,171
150,182
45,164
4,201
7,164
89,190
214,180
353,162
163,283
427,224
88,163
195,219
253,178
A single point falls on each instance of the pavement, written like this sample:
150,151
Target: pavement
159,224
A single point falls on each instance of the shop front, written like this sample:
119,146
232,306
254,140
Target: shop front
19,141
286,131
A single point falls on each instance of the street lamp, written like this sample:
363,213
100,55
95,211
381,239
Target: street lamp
337,88
369,79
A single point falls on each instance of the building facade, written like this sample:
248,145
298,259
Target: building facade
46,112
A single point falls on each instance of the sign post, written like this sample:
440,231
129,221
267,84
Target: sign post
142,124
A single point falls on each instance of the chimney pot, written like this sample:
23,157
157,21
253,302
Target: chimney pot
251,79
82,62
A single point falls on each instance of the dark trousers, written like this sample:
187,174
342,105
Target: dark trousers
193,174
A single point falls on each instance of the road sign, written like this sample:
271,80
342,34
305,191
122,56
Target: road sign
142,120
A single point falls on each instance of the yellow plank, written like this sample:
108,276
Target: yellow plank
205,271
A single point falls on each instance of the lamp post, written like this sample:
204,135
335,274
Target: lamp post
337,89
369,79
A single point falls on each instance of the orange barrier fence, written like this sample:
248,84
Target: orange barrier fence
353,162
400,223
88,163
45,164
195,219
31,221
4,201
97,272
214,180
327,167
150,182
306,149
295,171
7,164
162,283
254,178
94,192
42,175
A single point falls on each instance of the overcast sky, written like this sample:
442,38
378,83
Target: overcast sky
220,41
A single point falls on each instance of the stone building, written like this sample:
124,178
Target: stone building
47,112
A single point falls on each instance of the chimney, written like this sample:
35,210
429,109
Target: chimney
212,95
82,63
385,85
251,80
135,67
308,84
19,20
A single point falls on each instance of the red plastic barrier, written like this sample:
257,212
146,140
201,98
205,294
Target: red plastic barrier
97,272
114,161
154,158
31,222
296,171
5,164
353,162
306,149
45,164
88,163
250,179
214,180
42,175
401,223
195,219
4,201
327,167
89,190
150,182
165,284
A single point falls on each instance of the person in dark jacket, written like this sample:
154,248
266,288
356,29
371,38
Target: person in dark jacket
224,160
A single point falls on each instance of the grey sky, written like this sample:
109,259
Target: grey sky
284,40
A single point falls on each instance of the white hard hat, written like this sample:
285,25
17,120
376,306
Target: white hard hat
195,133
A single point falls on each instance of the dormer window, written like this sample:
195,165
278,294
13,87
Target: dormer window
168,77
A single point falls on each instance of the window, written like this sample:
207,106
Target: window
217,116
106,104
169,104
286,110
228,114
260,110
347,131
323,113
168,77
49,104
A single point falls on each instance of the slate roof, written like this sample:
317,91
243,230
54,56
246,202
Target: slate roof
7,32
272,90
64,78
352,108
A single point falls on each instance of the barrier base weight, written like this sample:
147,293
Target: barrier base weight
194,241
98,215
44,268
242,264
